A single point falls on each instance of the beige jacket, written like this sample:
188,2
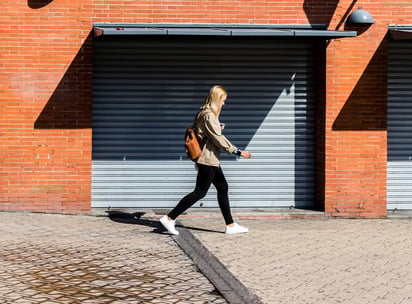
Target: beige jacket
212,141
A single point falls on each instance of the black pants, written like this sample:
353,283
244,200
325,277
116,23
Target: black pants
206,176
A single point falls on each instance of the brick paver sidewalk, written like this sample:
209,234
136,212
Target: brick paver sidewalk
315,261
82,259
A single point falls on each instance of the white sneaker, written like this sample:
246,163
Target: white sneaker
236,228
169,225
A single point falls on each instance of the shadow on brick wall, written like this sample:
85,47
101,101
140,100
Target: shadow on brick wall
36,4
70,106
320,12
365,109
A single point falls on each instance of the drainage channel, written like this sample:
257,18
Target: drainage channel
223,280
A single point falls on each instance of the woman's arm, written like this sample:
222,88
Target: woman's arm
214,133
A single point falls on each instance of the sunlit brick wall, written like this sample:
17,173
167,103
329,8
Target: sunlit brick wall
45,87
45,90
355,144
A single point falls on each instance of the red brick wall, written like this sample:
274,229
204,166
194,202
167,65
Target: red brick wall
45,106
45,91
355,126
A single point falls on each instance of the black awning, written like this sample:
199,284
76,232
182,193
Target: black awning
314,31
400,32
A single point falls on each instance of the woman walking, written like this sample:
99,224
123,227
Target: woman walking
212,142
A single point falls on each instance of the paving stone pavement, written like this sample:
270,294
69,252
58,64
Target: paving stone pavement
47,258
315,260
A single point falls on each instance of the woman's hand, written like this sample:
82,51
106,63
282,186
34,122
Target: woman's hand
246,154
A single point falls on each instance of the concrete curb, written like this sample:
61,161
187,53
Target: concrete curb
224,281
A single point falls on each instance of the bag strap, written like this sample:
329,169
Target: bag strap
195,120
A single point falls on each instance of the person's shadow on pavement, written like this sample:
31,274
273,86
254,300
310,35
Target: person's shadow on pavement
136,218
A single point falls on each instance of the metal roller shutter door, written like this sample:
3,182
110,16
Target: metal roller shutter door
146,89
399,179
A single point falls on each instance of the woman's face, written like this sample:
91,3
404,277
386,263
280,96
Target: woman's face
223,100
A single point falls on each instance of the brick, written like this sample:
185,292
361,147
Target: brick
40,49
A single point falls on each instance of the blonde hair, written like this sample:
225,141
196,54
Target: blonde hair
213,101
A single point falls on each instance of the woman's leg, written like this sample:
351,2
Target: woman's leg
205,175
219,181
223,197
